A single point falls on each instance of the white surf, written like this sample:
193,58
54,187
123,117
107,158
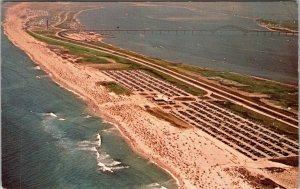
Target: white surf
104,161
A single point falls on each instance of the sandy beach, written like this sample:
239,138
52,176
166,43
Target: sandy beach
192,157
275,28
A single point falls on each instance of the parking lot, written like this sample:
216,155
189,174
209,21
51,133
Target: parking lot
142,82
251,139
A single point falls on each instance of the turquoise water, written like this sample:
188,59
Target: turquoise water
272,57
49,140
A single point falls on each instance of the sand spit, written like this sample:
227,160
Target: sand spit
275,28
193,158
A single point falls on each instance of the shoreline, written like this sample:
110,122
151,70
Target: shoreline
92,106
148,136
140,151
287,82
275,28
75,16
108,120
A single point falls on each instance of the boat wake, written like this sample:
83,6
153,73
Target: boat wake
104,161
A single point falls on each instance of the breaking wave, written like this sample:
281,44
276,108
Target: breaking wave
104,161
87,116
49,125
50,114
41,76
108,164
112,129
154,186
53,115
37,68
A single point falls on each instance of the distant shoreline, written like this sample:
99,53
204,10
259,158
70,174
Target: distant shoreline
193,158
290,79
92,104
270,25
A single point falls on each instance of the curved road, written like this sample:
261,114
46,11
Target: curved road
285,118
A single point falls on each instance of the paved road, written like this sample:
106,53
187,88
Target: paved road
237,99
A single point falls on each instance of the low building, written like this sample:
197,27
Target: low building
164,98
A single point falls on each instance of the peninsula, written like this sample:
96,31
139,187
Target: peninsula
203,127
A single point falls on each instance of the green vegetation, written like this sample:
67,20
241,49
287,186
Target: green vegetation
87,55
115,87
90,55
284,95
93,59
289,24
188,88
261,119
279,94
48,33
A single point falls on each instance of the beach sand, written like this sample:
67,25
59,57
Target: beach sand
193,158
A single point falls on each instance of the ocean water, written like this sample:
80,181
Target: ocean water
272,57
51,141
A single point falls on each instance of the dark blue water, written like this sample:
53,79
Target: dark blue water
49,141
272,57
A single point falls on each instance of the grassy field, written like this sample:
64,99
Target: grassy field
190,89
93,59
88,55
48,33
283,95
279,94
261,119
115,87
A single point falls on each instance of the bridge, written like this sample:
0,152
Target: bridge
227,28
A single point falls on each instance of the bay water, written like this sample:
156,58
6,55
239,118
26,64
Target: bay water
228,49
